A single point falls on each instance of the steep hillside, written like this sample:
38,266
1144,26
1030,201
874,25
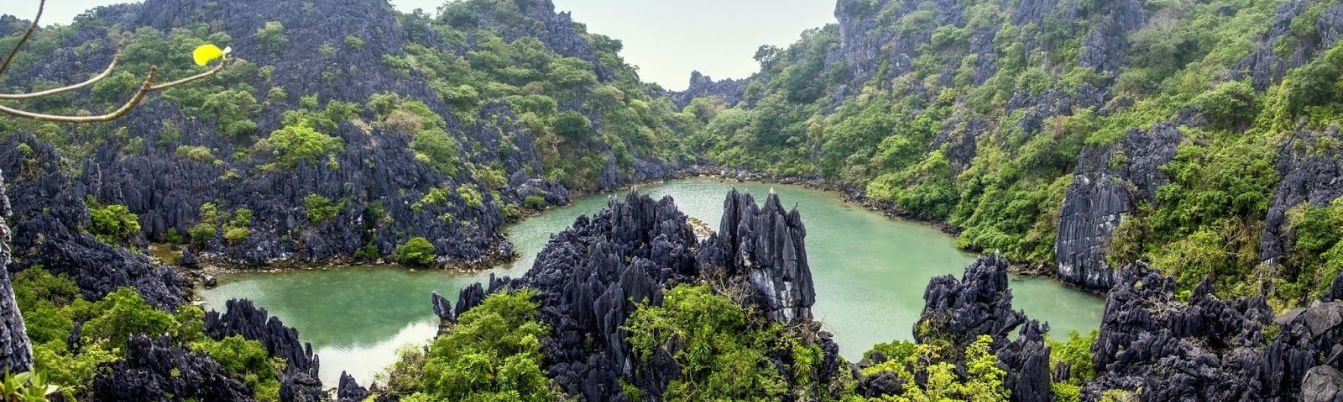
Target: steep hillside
1072,136
347,129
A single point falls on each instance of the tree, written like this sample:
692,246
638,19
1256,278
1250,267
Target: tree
299,142
572,125
492,354
417,252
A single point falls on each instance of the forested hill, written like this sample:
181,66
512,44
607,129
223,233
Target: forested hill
1073,136
345,129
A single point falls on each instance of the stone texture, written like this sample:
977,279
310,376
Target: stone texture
158,370
16,353
1108,183
766,244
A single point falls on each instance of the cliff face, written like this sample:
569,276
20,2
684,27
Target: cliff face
16,353
48,214
1210,349
1109,182
1311,172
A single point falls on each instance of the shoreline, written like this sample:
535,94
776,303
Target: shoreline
211,266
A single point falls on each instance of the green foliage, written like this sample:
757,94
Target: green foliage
535,202
321,209
572,125
272,36
719,347
113,224
1076,353
25,387
1317,246
982,379
1229,106
124,313
302,143
416,252
492,354
470,195
248,360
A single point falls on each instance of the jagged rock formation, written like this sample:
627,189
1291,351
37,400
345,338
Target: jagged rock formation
1311,174
1266,66
703,86
16,353
242,318
48,212
349,390
591,277
766,245
443,309
1207,349
1108,183
158,370
956,313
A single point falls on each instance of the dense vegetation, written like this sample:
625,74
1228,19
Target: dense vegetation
975,136
53,307
493,353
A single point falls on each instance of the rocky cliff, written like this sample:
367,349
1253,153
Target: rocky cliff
1109,182
1210,349
1311,172
16,354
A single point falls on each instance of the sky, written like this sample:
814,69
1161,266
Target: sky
666,39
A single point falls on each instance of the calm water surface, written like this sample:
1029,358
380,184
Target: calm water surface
870,273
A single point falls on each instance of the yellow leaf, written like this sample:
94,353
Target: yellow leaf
206,53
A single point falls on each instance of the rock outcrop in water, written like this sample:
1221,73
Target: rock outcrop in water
159,370
1109,182
956,313
16,353
592,276
242,318
766,245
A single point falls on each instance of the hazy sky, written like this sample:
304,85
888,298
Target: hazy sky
667,39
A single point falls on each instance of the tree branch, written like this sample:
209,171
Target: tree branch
31,27
91,81
145,89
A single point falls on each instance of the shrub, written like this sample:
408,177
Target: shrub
113,224
535,202
236,235
320,209
493,353
470,195
302,143
1229,106
202,233
417,252
572,125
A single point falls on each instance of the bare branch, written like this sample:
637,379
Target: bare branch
91,81
31,27
145,89
220,67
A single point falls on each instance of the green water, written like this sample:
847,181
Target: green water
870,273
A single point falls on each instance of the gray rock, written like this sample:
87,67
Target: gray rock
1322,384
1108,183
